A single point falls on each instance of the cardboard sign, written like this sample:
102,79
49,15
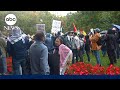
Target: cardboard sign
56,26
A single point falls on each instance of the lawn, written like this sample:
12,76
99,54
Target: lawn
104,60
91,68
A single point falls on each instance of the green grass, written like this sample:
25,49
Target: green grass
104,60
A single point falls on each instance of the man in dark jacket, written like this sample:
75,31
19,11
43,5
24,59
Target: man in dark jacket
111,46
17,48
117,36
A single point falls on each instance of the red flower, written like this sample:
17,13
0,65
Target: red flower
81,68
9,64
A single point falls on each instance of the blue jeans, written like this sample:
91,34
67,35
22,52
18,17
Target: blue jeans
3,65
19,67
97,56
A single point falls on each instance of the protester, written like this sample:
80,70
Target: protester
117,37
49,43
111,46
39,55
87,47
67,39
75,46
94,46
17,46
82,47
65,55
103,47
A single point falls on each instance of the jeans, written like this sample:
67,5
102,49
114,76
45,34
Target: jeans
3,65
97,56
19,67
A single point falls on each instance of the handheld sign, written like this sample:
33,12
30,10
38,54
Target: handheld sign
56,26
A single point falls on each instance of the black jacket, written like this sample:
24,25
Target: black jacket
111,40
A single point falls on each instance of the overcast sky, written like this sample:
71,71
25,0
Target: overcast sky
61,13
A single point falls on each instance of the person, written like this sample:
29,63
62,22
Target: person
111,46
103,47
65,55
49,43
67,39
117,36
17,45
87,47
3,63
75,46
82,47
39,55
94,46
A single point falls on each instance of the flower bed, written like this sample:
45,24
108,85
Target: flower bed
81,68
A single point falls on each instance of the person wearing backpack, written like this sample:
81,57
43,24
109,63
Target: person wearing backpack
94,46
17,46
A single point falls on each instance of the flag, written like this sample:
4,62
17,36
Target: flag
75,29
84,33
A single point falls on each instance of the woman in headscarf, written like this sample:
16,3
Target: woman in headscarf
65,55
17,46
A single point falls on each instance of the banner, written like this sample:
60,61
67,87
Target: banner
56,26
40,27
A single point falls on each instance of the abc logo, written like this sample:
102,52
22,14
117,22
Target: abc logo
10,19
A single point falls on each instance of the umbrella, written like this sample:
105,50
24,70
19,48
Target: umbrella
117,26
103,32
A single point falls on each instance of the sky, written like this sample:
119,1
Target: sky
61,13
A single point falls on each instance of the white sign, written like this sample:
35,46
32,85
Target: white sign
56,26
10,19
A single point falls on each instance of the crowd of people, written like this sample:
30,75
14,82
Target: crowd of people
48,54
